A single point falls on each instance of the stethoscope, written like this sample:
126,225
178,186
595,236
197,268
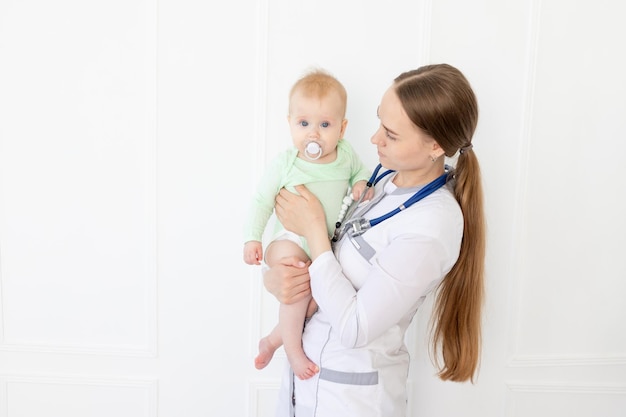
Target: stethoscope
360,225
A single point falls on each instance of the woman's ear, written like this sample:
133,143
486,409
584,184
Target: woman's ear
437,151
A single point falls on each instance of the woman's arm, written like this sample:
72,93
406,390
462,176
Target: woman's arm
402,273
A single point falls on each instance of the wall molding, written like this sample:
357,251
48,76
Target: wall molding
519,218
256,390
425,22
148,351
260,122
565,387
566,360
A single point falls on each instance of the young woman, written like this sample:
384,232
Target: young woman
422,231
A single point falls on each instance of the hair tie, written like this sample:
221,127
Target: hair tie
465,149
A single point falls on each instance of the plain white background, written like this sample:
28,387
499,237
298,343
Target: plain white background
133,132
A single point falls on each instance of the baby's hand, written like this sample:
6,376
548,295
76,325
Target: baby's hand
359,188
253,252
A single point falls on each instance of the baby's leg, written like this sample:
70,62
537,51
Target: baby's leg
291,316
274,340
267,347
270,343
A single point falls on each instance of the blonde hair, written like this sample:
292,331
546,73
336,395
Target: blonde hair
440,101
319,83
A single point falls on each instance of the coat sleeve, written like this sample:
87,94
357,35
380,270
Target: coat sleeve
399,277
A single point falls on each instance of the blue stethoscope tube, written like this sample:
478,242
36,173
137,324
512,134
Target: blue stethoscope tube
360,225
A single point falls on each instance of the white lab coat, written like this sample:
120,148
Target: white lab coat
366,305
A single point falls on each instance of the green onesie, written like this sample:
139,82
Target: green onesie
329,182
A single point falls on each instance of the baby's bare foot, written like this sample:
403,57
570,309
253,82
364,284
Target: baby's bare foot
266,352
303,368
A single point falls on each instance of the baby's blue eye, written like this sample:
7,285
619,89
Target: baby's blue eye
325,124
304,123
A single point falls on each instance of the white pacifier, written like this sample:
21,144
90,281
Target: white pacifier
313,150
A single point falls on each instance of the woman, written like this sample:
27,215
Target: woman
386,261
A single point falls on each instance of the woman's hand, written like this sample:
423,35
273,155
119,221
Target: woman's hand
298,212
304,215
288,280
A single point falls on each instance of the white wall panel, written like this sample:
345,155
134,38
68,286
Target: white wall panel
77,190
60,396
565,399
573,231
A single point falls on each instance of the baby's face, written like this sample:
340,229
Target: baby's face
319,120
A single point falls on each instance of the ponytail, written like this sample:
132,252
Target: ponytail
440,101
456,336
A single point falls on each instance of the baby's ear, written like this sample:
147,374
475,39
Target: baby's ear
344,124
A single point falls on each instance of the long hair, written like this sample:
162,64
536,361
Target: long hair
440,101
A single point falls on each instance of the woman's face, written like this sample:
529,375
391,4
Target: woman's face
401,145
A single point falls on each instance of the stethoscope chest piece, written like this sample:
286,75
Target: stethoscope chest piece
359,225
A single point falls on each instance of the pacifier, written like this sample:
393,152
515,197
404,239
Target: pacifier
313,151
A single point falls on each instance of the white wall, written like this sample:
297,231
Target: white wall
132,133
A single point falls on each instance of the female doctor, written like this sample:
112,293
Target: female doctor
422,231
